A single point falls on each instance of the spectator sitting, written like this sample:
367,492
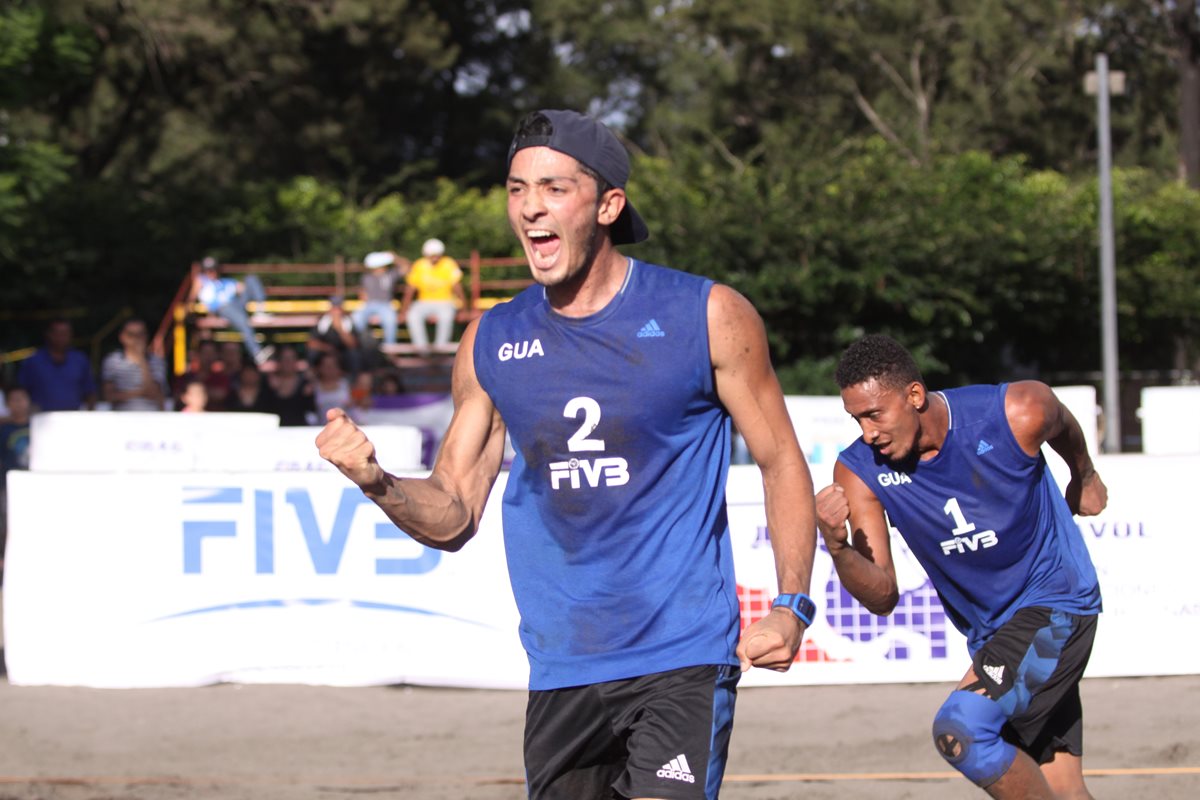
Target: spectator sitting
206,366
58,377
384,271
14,448
332,387
436,281
194,398
227,298
230,361
389,390
250,392
131,378
335,333
361,391
291,395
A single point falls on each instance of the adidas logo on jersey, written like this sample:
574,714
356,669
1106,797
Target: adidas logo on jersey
984,447
651,329
677,769
995,673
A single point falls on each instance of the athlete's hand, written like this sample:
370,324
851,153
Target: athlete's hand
1087,496
343,444
833,509
771,642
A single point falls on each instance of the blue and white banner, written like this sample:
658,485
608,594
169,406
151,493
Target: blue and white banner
187,579
173,580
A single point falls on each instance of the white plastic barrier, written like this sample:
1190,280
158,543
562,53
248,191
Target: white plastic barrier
1170,420
397,448
131,441
1081,401
170,580
823,429
155,442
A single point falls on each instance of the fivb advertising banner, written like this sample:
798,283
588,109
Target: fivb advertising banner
188,579
169,580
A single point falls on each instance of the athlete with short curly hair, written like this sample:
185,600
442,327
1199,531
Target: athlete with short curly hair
961,475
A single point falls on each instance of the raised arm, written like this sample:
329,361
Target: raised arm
749,390
442,510
862,553
1038,417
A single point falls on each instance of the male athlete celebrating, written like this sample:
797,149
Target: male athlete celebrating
616,380
961,475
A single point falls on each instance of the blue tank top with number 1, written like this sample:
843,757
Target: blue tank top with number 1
614,515
985,519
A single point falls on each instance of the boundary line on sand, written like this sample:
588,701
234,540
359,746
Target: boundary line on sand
381,783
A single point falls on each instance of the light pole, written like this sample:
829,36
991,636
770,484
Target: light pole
1101,83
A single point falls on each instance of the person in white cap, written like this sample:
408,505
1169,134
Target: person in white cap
435,281
384,271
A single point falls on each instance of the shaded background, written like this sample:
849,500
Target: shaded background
924,168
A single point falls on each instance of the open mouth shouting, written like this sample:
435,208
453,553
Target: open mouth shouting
544,245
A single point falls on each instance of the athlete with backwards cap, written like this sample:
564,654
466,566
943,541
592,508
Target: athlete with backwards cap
617,380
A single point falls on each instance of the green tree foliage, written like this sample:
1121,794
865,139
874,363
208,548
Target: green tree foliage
1157,44
981,259
31,168
1159,284
922,167
136,134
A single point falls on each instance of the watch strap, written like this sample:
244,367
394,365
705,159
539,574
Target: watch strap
799,604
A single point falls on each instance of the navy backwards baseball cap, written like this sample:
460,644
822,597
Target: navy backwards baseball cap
593,145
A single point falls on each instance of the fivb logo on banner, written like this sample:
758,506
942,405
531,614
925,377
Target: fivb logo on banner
325,550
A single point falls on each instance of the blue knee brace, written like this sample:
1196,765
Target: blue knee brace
966,732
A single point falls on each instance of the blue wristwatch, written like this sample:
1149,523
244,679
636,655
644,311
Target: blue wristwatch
800,604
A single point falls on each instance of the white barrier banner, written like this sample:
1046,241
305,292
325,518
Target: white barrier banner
152,442
171,580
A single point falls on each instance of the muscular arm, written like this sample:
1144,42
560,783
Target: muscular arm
862,555
442,510
749,390
1038,417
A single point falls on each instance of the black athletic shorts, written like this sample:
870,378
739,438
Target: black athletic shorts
1031,667
661,735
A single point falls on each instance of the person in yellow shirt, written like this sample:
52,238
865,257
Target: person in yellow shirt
436,282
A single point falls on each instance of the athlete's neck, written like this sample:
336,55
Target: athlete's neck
935,424
594,287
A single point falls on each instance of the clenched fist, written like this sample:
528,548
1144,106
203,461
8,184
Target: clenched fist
343,444
833,509
1087,496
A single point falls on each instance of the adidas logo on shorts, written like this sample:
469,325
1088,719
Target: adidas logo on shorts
995,673
677,769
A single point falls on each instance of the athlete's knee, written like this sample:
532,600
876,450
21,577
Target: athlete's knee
966,732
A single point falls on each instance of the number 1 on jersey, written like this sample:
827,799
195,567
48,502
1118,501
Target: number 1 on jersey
961,525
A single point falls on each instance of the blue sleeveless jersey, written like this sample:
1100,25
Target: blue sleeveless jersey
614,514
985,519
